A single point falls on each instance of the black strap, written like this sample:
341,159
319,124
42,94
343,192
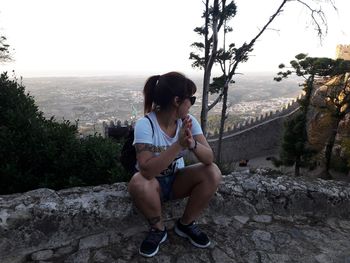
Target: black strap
151,125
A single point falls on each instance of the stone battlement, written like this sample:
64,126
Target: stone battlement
287,109
257,137
343,52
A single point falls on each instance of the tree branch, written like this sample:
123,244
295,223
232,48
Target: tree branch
320,14
216,101
215,37
242,51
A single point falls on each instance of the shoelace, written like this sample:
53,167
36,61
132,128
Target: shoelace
154,236
195,229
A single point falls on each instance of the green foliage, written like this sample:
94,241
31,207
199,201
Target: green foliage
38,152
339,164
217,85
304,66
224,13
199,61
4,50
341,67
295,137
293,140
294,149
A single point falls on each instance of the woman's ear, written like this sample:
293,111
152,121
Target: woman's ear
177,101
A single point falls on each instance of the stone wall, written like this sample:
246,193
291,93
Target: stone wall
343,52
256,140
256,137
264,118
63,226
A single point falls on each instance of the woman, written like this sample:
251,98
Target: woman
161,139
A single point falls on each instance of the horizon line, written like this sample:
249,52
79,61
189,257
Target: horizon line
78,74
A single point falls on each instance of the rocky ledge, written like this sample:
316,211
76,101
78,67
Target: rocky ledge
252,218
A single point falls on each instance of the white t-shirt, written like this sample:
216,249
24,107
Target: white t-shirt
160,140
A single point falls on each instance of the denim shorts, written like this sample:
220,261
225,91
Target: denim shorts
166,185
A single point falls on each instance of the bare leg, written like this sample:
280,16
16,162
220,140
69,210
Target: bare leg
199,182
145,194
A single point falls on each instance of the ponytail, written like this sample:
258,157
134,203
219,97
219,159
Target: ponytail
159,91
148,93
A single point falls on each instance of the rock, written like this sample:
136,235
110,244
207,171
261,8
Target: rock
82,256
319,129
42,255
322,258
282,238
220,256
262,240
345,224
262,218
222,220
242,219
102,256
282,216
64,250
14,259
94,241
279,258
320,118
191,257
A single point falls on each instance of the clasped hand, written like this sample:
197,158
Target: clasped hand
185,136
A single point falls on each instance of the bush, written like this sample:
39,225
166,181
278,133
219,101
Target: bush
339,164
38,152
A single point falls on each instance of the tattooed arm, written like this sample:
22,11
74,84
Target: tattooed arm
151,165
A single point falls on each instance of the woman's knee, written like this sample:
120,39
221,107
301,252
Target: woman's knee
139,184
133,184
214,174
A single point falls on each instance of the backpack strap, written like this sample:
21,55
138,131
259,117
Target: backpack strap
151,124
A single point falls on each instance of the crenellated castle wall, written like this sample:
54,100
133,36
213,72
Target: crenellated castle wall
256,137
343,52
290,107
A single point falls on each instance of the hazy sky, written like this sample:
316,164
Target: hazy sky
81,37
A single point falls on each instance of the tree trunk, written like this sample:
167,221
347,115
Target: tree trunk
205,96
222,122
206,75
329,149
209,62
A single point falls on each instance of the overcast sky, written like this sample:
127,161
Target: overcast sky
94,37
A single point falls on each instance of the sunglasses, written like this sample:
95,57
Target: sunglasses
192,99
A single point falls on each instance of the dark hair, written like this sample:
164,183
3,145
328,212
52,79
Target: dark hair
160,90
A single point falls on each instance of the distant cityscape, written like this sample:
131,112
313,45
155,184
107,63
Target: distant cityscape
94,100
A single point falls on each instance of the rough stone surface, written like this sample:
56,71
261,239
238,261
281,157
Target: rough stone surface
42,255
252,218
321,121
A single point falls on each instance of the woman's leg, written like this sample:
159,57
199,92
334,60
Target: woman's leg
145,194
199,182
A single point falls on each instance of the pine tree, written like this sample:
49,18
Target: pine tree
295,149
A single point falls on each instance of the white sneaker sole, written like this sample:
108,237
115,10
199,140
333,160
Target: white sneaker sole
184,235
156,251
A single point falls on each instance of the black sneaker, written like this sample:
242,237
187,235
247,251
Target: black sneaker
193,233
150,246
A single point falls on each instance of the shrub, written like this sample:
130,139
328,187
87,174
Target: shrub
339,164
38,152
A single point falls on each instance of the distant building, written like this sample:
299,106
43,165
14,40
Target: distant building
343,51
